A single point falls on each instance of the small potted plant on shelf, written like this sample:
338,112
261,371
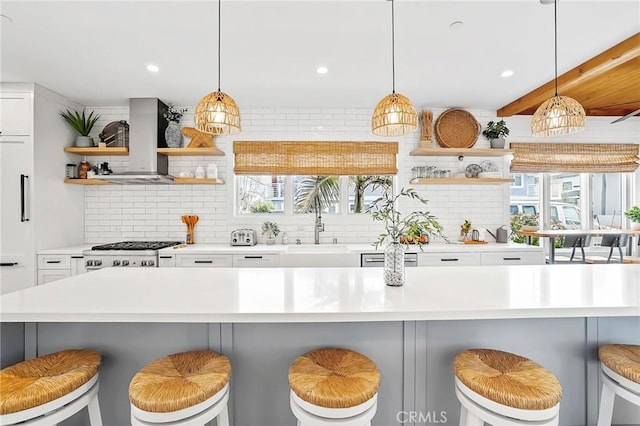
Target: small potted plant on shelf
465,228
172,135
633,214
397,226
495,133
83,124
271,231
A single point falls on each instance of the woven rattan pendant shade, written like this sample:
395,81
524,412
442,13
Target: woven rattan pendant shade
218,114
394,116
560,115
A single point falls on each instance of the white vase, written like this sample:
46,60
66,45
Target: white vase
394,264
173,135
635,226
84,141
497,143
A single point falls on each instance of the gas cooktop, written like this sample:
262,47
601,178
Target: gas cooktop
137,245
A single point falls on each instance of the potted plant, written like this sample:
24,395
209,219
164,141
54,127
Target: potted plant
495,133
633,214
465,228
82,124
396,226
528,222
172,134
271,231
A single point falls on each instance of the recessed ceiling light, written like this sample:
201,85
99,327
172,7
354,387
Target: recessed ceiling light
506,73
153,68
456,25
322,70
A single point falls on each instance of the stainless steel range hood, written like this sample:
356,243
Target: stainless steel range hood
146,134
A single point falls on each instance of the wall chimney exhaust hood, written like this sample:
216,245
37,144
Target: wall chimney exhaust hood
146,133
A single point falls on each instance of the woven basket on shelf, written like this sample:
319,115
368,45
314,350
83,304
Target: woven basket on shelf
457,128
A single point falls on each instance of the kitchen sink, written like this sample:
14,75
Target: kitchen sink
317,248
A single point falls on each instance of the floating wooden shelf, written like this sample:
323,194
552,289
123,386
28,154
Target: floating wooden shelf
197,181
190,152
455,152
470,181
86,181
97,151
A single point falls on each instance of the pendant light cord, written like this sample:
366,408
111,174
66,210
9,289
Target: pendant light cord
555,37
219,39
393,48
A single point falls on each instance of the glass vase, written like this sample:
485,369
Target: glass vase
394,264
173,135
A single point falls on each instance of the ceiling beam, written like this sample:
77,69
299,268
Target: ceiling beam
589,76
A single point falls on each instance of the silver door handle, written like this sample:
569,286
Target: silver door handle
24,198
374,260
410,261
9,264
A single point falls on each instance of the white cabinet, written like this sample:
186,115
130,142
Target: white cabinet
166,261
15,114
36,210
53,267
204,260
255,260
449,259
512,258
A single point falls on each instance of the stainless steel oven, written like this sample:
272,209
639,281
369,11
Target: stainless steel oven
126,254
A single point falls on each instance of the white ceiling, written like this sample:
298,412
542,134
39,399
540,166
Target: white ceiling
96,52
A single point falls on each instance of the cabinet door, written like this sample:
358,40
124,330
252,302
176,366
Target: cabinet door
166,261
15,114
204,261
254,260
448,259
49,275
513,258
77,265
54,261
17,255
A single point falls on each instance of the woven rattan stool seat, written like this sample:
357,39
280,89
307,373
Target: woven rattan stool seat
40,380
507,379
622,359
334,378
179,381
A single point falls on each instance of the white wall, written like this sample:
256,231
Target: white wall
149,212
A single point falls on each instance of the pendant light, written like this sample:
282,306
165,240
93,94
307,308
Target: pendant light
394,115
560,115
217,113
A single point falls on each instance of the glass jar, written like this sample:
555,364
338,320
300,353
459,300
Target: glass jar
122,134
71,171
83,169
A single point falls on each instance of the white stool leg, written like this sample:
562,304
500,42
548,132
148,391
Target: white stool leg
463,415
95,419
473,420
605,412
223,417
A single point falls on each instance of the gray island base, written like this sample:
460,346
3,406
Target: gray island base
264,325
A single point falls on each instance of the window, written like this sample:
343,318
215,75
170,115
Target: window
301,194
517,180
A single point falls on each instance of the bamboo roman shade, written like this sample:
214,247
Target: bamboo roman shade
574,157
315,158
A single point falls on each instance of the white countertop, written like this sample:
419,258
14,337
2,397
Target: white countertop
329,294
346,247
70,250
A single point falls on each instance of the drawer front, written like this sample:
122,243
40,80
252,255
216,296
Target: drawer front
255,260
204,261
166,261
513,258
448,259
56,261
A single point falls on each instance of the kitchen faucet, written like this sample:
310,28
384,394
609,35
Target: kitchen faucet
319,227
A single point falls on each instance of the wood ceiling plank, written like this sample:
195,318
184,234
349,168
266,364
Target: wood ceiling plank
615,71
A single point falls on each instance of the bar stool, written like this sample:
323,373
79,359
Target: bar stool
334,386
46,390
577,241
620,366
504,389
188,388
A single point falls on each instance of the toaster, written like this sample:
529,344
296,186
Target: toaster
244,237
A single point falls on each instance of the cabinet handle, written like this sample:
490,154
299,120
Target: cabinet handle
24,198
166,257
374,260
203,261
53,261
449,260
410,261
511,258
77,257
253,257
9,264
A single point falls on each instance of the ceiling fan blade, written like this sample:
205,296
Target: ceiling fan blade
631,114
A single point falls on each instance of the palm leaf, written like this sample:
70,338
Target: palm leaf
316,193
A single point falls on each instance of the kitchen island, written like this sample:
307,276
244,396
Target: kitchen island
263,318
